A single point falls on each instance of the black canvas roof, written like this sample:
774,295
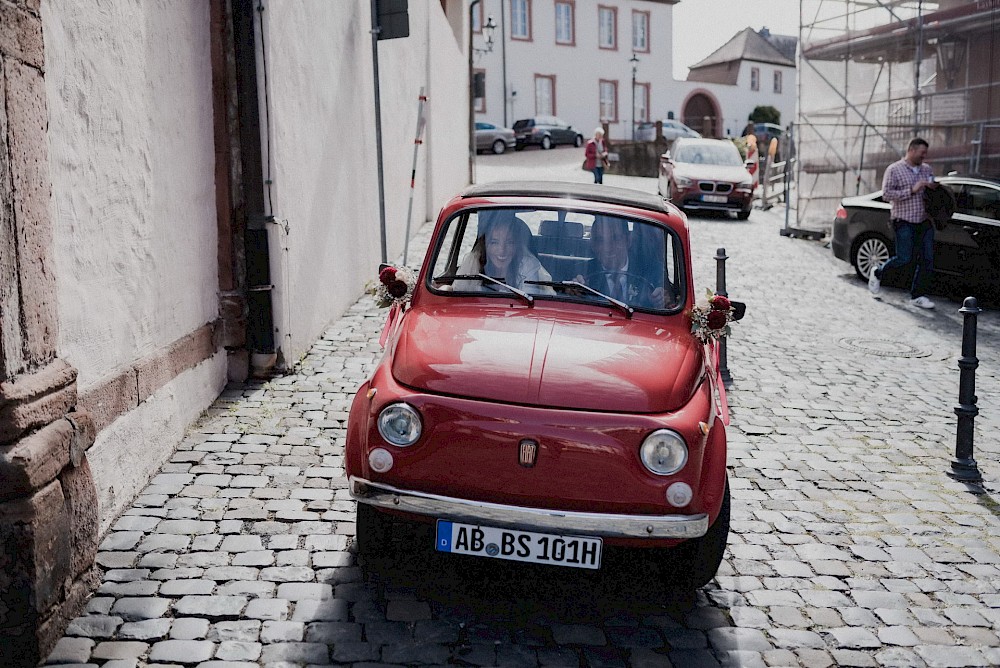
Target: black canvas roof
589,192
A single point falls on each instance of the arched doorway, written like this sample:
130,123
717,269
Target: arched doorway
702,114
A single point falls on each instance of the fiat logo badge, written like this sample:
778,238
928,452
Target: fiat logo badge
527,453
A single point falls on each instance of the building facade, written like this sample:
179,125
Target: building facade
188,193
610,61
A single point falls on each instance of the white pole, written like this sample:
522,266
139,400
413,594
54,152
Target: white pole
413,171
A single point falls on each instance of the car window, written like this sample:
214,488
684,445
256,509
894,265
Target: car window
524,123
634,261
483,126
708,154
979,200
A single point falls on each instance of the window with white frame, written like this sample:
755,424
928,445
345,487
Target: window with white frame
777,81
641,102
545,95
607,18
754,78
640,31
609,101
564,23
520,19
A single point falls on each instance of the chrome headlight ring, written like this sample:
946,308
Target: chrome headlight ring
399,424
664,452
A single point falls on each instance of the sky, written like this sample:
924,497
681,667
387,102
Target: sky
702,26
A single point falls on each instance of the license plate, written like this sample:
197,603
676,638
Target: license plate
714,199
539,548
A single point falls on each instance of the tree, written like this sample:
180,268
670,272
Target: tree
766,114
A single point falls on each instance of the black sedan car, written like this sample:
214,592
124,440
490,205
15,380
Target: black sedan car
545,131
966,250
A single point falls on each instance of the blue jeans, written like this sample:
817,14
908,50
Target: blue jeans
598,174
910,237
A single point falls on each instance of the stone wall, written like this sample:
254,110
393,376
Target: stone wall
48,504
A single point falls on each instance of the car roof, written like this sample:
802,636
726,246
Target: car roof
588,192
704,140
988,180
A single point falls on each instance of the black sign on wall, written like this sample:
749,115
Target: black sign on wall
393,19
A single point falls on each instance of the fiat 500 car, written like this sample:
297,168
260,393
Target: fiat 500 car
542,395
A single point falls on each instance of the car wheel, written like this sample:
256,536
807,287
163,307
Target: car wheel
869,249
744,213
546,143
373,532
578,142
499,147
694,563
519,147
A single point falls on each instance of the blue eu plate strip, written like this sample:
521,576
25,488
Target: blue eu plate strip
443,536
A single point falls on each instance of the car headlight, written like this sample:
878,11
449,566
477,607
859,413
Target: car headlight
399,424
746,185
682,181
664,452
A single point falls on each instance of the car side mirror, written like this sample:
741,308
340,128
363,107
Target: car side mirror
739,309
666,156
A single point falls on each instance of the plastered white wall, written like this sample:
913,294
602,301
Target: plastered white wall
323,167
133,188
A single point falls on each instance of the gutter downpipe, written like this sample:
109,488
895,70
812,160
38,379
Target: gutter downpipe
260,314
503,60
376,29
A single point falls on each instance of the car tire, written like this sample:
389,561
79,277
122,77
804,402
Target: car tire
519,147
374,532
744,213
869,248
499,147
546,143
578,142
694,563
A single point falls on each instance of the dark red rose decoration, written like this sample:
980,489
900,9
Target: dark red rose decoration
395,286
710,321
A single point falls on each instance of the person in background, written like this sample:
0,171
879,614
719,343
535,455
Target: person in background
596,154
903,186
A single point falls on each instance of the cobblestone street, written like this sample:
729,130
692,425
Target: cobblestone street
850,546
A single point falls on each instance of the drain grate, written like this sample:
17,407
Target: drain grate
882,347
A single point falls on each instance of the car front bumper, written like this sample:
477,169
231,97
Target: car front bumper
540,520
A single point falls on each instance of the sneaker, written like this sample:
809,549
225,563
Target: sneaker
874,284
922,302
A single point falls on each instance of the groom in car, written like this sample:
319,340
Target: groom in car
616,271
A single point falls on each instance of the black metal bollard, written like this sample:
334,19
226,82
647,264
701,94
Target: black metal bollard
964,467
720,289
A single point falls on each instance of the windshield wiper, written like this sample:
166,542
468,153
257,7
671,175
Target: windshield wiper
625,308
480,276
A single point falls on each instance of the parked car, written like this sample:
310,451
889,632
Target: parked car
967,249
545,420
545,131
706,175
672,129
494,138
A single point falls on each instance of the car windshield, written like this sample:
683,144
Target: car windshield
708,154
524,123
560,255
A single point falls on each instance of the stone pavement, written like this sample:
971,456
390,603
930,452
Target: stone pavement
850,546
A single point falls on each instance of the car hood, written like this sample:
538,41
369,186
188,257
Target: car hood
734,173
530,356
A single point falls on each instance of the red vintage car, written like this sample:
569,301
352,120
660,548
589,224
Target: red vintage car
542,394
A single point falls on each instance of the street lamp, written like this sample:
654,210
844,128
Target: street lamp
488,31
635,66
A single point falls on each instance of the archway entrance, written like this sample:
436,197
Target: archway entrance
700,114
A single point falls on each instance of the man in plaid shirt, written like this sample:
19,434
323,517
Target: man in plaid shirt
903,186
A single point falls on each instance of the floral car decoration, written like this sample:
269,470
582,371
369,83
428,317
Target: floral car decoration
542,395
395,286
711,321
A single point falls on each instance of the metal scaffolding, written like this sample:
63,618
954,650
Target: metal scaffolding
872,74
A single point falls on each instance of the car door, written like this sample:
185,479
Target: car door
969,244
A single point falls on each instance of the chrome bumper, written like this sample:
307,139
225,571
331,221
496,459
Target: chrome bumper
528,519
